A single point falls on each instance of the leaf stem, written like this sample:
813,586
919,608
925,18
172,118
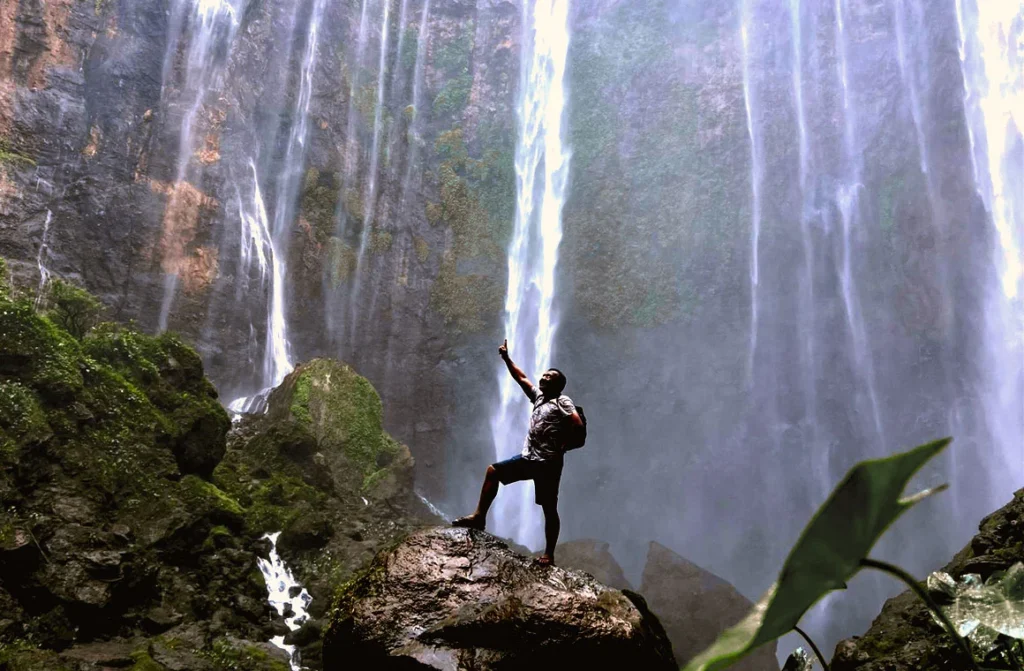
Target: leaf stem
817,653
915,586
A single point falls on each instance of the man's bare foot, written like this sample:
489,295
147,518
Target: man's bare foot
473,521
545,560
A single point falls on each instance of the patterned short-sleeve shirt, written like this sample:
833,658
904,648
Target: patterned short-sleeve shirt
549,422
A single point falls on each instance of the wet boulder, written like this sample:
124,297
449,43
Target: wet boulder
695,606
342,411
447,598
595,558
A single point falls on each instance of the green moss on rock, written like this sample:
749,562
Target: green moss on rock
36,352
170,374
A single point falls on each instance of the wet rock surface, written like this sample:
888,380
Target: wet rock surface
904,636
450,598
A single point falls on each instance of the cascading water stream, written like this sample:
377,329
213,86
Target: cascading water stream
756,169
277,358
41,257
848,202
370,193
271,240
211,25
542,168
807,306
992,59
350,160
283,591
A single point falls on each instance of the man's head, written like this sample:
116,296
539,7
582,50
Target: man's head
552,382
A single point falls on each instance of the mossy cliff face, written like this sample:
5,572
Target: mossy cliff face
108,527
132,520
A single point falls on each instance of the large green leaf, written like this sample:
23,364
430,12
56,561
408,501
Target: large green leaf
828,553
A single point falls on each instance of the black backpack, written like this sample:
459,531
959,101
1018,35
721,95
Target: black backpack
578,434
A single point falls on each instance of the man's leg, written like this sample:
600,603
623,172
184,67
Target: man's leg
552,525
489,490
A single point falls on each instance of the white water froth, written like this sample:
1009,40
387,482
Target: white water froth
542,169
280,584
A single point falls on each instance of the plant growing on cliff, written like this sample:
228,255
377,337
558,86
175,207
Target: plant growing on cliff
831,550
72,308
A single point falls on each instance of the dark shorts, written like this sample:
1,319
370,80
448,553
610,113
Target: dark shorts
545,475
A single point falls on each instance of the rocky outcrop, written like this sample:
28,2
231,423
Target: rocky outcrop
131,524
448,598
695,606
904,636
595,558
108,529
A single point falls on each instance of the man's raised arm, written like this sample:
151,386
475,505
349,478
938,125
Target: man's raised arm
517,374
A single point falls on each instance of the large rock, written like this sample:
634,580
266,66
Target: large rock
904,636
593,557
695,606
449,598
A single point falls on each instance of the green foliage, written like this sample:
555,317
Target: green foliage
266,480
37,352
452,59
380,240
72,308
341,261
422,249
410,47
23,655
478,203
5,280
467,302
319,203
828,553
210,501
22,421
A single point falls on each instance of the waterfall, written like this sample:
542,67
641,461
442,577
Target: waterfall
270,240
350,158
283,592
806,305
848,202
276,354
542,168
44,250
370,193
212,25
992,59
755,185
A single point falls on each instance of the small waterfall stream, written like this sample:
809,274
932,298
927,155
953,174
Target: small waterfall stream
284,593
42,258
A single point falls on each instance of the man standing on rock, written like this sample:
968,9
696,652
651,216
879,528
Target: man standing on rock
552,422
